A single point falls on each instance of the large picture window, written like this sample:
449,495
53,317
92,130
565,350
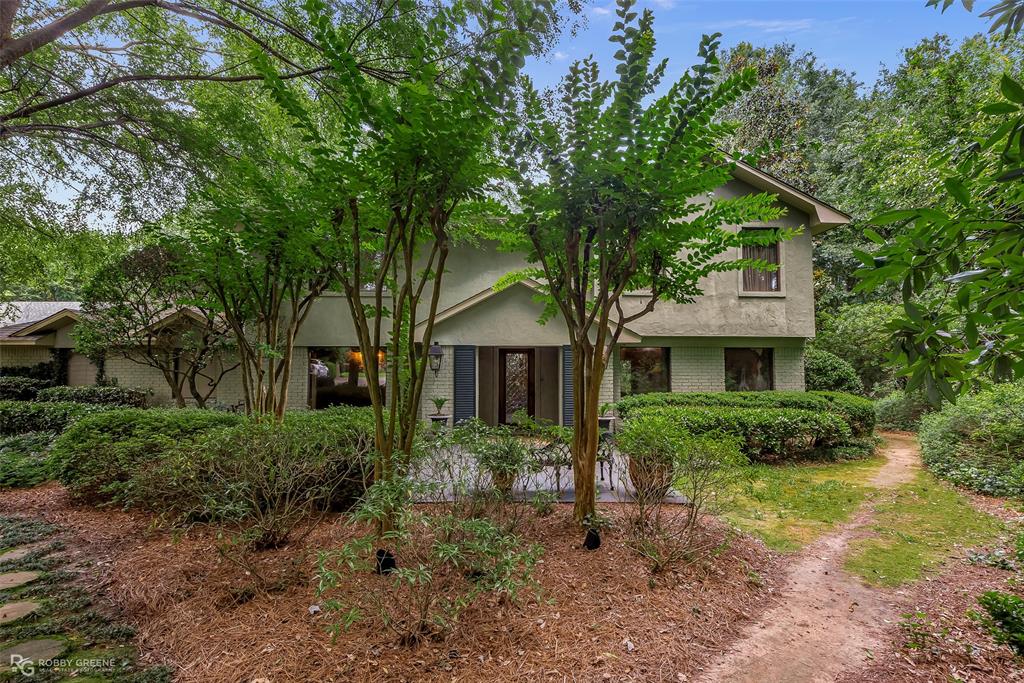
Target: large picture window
755,280
749,370
339,376
643,370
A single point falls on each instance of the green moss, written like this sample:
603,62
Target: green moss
788,506
917,526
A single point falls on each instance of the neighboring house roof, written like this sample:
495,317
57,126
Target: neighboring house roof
821,216
49,323
34,311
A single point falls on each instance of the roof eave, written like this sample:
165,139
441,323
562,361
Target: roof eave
821,216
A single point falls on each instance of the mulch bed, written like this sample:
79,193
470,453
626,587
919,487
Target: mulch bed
600,616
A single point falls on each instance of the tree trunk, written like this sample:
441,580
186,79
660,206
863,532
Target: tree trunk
588,371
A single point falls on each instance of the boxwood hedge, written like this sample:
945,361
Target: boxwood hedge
765,434
21,417
21,388
98,455
110,396
856,411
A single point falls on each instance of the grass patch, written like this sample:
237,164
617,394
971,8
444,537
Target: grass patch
917,526
788,506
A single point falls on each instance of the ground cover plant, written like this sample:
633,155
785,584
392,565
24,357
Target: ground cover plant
979,441
790,505
916,527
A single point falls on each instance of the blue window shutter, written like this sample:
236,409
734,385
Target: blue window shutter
465,383
568,408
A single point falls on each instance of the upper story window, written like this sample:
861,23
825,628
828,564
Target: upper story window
749,369
755,280
644,370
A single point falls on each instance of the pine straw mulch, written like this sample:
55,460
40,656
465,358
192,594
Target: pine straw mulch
955,648
600,617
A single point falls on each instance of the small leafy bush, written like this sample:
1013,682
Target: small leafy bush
902,410
764,434
21,417
24,459
266,477
824,371
979,441
444,564
661,454
21,388
857,411
99,455
1004,619
100,395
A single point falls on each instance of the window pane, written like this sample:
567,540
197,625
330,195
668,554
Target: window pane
748,370
644,370
755,280
340,376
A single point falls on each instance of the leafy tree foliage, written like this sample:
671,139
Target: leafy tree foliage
615,198
145,308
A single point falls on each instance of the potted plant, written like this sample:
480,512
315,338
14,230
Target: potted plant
439,419
605,419
653,447
505,456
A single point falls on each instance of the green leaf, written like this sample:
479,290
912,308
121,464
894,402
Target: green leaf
958,190
895,216
1011,89
874,236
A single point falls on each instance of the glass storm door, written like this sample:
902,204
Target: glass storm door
515,383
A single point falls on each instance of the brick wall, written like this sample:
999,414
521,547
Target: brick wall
697,368
23,356
443,385
789,368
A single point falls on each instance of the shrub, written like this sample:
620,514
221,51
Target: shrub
20,388
824,371
661,454
859,334
98,456
902,410
21,417
764,433
100,395
1004,619
264,476
443,564
979,441
857,411
24,459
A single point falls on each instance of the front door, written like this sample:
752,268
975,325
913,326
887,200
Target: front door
515,383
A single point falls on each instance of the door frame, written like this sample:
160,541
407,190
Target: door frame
531,393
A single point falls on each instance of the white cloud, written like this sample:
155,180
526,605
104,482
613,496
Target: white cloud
560,56
771,25
664,4
602,11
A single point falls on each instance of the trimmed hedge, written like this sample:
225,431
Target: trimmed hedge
824,371
21,417
97,457
21,388
979,441
858,412
765,434
247,470
100,395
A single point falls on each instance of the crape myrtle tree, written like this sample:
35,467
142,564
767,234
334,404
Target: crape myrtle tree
615,197
142,307
400,171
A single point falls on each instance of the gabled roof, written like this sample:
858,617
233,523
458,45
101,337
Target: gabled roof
34,311
59,319
821,216
627,337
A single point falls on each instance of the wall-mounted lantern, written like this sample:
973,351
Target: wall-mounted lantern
435,354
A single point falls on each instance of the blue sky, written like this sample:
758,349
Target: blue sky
857,35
